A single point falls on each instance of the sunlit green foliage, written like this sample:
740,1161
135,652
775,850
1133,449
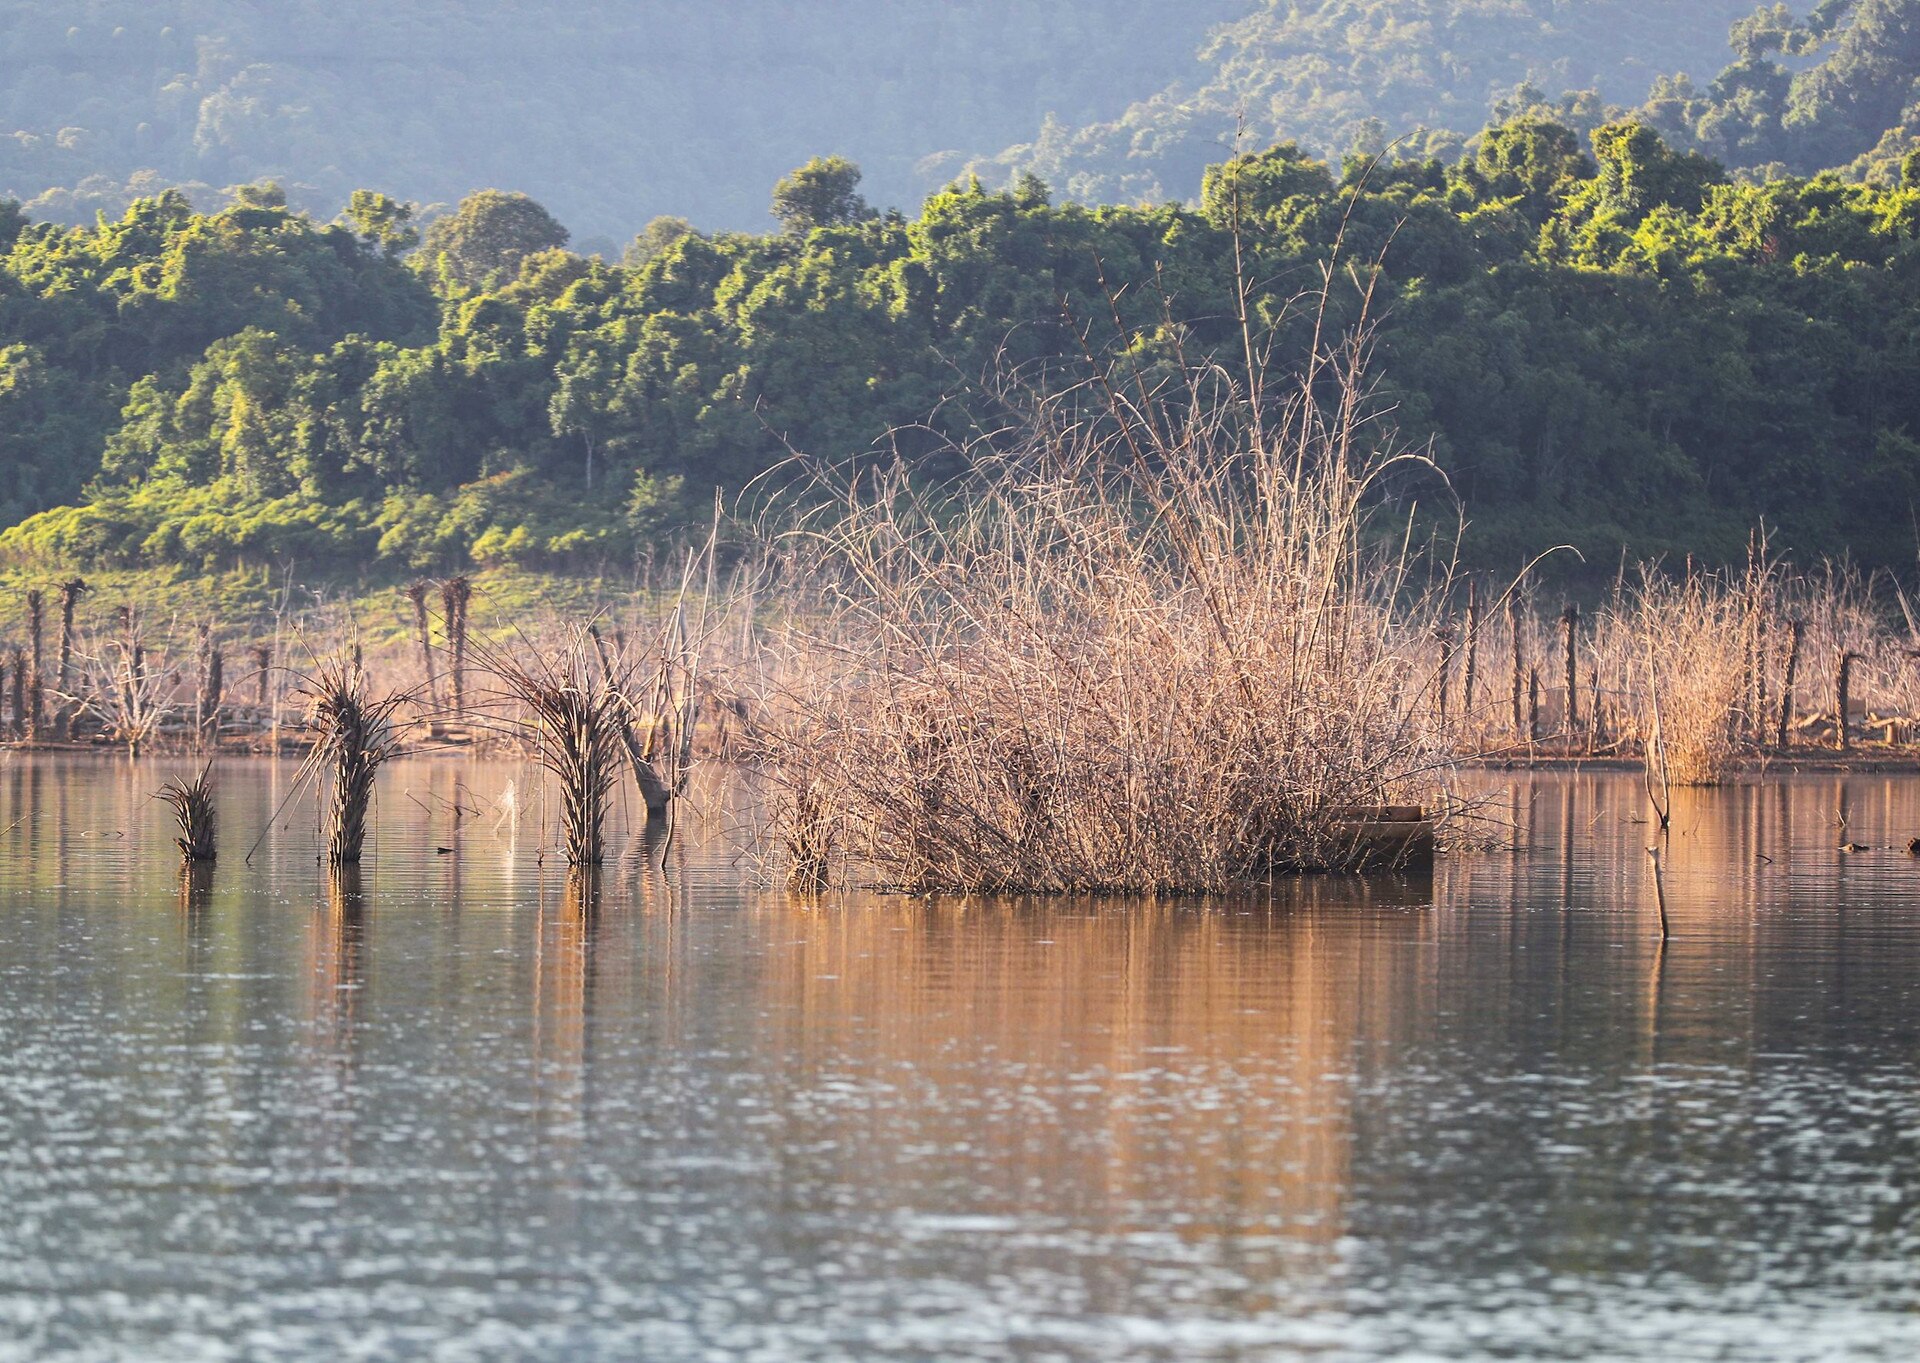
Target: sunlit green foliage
1607,338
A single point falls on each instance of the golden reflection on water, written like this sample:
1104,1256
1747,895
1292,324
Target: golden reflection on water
1119,1106
336,978
565,964
1211,1046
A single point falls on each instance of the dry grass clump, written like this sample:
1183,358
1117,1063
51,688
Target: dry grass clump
354,734
1154,650
192,806
1694,636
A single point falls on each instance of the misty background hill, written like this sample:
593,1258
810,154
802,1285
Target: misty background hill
611,112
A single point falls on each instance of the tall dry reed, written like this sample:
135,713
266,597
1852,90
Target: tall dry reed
1692,634
1155,649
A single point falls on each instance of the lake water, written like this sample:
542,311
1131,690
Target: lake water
443,1114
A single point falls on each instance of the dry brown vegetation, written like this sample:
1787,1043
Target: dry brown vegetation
193,814
574,700
1156,648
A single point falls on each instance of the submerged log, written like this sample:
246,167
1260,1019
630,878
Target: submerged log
1385,838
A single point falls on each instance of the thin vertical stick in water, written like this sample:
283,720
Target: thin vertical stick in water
1660,894
1662,800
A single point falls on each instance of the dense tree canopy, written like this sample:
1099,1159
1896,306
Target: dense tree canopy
1654,326
1606,339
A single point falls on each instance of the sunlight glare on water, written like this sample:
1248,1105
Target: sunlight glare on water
447,1112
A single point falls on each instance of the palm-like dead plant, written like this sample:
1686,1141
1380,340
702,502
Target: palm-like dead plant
192,806
354,734
578,717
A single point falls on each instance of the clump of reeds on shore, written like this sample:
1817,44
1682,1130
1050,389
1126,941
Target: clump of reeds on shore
578,720
354,734
192,806
806,830
1151,649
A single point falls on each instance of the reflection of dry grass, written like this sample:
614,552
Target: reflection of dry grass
192,806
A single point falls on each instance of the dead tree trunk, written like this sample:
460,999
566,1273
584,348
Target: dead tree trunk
70,592
36,686
19,693
212,683
454,595
1519,667
417,594
654,793
1844,699
1570,622
130,697
1467,697
1797,633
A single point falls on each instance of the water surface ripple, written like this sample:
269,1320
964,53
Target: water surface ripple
448,1112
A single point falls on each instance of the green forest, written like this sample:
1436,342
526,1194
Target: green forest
1651,324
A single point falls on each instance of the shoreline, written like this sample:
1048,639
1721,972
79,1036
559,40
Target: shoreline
1903,762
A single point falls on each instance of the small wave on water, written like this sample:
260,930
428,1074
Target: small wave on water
446,1114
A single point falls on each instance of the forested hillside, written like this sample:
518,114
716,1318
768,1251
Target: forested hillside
1607,335
1605,346
1835,87
1335,74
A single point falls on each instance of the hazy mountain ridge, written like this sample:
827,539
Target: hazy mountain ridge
608,112
1331,74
